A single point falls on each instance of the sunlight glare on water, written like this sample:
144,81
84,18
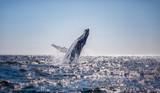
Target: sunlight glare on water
90,74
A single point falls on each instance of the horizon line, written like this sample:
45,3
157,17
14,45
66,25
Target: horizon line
81,55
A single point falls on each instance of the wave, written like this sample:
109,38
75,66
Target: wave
90,74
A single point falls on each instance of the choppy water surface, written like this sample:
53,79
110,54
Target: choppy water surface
92,74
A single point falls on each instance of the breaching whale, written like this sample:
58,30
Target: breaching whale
73,53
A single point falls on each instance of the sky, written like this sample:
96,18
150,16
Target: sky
117,27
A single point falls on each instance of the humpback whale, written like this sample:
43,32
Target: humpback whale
73,53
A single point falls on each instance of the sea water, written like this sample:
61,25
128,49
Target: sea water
100,74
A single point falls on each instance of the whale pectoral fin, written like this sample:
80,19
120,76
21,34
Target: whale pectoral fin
61,49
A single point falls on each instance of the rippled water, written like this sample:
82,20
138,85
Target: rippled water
91,74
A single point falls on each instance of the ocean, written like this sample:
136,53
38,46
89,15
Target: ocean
92,74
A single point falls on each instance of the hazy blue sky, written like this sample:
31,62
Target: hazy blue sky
117,27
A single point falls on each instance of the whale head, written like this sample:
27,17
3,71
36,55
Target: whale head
81,41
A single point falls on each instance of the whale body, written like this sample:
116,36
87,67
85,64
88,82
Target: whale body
73,53
75,49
